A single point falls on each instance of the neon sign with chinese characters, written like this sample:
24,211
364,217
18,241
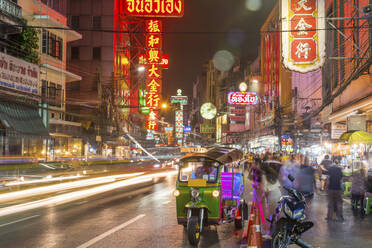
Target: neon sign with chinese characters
242,98
154,8
303,47
152,120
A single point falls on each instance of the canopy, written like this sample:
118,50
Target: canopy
23,119
223,155
357,137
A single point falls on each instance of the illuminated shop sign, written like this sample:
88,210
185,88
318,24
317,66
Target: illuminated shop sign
154,8
303,46
187,129
242,98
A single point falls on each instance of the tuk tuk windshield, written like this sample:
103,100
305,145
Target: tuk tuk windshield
199,170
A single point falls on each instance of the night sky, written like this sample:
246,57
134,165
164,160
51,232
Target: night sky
220,23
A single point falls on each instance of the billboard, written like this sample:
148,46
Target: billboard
303,42
154,8
19,75
242,98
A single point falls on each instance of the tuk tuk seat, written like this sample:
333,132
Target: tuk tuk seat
230,185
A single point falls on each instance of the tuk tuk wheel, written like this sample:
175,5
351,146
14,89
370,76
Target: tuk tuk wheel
193,230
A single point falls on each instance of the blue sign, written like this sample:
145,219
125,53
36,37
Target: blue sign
187,129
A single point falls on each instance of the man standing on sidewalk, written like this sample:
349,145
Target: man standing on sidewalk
335,192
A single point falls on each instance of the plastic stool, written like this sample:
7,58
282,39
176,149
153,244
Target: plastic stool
368,209
347,190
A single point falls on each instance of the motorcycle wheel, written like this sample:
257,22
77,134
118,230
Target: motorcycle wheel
193,230
279,240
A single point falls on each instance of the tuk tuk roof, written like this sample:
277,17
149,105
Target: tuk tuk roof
222,155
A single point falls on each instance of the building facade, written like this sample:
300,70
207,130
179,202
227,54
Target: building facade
65,133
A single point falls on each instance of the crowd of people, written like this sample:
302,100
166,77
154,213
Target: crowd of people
269,173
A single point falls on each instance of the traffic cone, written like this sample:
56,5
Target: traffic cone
253,232
257,227
251,215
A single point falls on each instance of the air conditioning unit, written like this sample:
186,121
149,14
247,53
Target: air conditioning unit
367,9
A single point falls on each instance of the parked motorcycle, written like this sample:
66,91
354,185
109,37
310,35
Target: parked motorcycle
288,221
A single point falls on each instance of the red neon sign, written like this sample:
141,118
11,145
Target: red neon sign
153,41
154,8
165,61
153,26
153,56
152,120
242,98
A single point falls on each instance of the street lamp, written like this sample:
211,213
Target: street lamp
164,106
141,69
255,81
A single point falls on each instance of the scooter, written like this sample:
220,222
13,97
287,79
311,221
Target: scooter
288,221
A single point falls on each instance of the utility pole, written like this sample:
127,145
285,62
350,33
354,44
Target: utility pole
278,122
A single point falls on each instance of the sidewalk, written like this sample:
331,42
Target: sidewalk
353,232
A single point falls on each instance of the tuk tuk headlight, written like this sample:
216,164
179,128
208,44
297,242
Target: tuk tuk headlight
195,193
176,193
215,193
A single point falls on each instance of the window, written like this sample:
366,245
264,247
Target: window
52,45
75,21
44,88
96,22
52,91
97,53
45,42
54,4
59,95
75,53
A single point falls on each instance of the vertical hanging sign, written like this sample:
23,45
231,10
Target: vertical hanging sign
153,60
303,37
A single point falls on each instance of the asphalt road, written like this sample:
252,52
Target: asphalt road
145,217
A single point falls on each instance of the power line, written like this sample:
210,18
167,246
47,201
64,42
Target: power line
177,32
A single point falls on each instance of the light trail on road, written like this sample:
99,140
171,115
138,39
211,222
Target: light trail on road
6,197
46,180
82,194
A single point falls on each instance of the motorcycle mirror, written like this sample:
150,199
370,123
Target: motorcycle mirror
290,177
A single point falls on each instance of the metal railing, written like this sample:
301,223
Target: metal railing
11,8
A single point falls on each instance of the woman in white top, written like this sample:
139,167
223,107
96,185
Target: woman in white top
271,186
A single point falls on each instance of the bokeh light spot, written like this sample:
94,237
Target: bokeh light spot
223,60
253,5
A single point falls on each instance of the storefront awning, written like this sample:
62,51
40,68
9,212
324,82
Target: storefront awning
22,119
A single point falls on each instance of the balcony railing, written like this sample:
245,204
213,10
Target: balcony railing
11,8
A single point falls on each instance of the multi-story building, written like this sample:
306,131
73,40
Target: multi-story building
53,39
289,96
104,64
347,88
21,128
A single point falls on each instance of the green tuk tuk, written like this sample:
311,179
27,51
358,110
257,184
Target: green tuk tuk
210,190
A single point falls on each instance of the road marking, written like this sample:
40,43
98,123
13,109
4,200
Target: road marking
16,221
109,232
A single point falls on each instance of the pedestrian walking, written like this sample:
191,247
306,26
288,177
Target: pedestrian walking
259,196
287,169
335,192
271,186
323,168
358,190
305,180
